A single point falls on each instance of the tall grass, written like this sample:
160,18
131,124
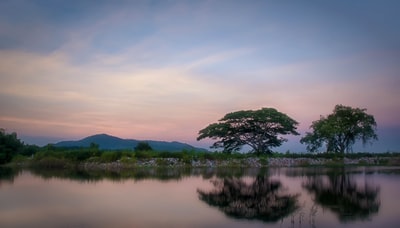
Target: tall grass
62,157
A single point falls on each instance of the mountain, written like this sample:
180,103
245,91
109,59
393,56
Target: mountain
109,142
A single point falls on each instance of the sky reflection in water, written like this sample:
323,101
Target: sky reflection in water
286,197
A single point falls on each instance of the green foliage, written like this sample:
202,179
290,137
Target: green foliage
80,155
127,159
57,157
45,154
93,146
20,159
29,150
10,145
141,154
166,154
340,130
110,156
143,146
259,129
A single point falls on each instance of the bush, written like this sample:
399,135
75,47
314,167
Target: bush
187,159
127,160
143,154
19,159
9,146
46,154
29,150
209,156
143,146
166,154
110,156
79,155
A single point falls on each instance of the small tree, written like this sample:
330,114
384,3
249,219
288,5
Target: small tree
340,130
143,146
259,129
94,146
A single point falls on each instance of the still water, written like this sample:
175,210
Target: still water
274,197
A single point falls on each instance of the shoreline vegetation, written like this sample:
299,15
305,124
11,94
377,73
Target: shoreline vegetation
95,159
14,153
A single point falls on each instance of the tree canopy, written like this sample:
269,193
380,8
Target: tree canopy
9,146
143,146
259,129
340,130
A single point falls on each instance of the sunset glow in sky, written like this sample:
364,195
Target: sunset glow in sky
163,70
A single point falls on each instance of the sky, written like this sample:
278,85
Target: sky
163,70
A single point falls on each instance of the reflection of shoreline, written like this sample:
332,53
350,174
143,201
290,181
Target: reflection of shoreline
137,174
341,194
246,162
263,199
7,174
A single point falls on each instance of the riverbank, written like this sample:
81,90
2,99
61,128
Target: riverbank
232,162
246,162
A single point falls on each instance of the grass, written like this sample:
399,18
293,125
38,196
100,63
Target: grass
52,157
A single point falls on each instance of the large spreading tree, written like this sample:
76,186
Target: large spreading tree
260,129
340,130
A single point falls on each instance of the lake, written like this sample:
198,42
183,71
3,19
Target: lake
201,197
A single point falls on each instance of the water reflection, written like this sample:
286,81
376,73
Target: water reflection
261,199
161,174
143,173
7,175
342,194
200,197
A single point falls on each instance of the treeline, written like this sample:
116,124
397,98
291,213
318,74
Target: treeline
62,157
10,146
13,150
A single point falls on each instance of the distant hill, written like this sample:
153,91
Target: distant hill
109,142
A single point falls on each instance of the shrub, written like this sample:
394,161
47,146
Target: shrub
110,156
19,159
127,160
29,150
187,159
79,155
143,146
143,154
46,154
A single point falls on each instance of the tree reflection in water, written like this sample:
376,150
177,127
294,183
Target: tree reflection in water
340,193
7,175
263,199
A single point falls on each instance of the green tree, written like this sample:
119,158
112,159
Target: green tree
143,146
9,146
93,146
259,129
340,130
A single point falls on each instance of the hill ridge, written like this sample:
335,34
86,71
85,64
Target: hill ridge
110,142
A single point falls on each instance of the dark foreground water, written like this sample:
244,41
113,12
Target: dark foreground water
280,197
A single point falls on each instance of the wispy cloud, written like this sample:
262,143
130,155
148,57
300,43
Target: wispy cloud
165,70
